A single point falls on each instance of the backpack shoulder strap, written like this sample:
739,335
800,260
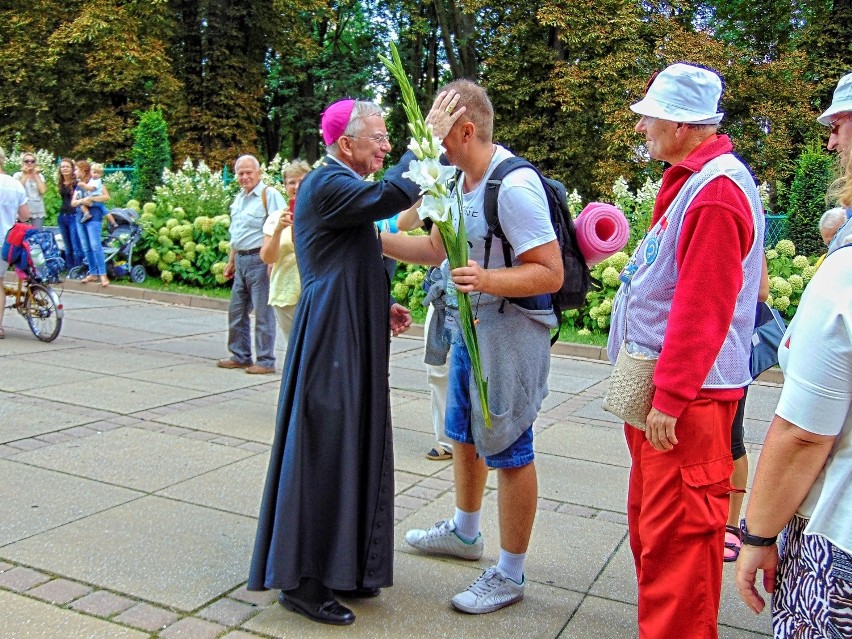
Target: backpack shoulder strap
492,190
263,200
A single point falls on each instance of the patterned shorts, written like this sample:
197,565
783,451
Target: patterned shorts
813,597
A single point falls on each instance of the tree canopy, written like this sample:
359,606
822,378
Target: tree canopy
252,76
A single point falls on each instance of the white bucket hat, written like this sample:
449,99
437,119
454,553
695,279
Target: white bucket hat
683,93
841,102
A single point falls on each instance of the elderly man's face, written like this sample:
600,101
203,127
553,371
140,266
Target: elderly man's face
248,175
370,146
840,138
660,139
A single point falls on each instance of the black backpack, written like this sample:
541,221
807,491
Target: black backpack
577,279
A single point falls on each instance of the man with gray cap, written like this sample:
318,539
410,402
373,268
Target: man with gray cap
838,117
689,294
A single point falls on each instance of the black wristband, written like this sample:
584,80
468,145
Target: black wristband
754,540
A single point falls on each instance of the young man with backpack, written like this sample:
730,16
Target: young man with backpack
514,313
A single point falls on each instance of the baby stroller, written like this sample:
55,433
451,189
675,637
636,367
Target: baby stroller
118,248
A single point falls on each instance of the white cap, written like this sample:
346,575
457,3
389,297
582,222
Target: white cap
841,102
683,93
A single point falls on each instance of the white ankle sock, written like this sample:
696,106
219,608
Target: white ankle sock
467,525
512,565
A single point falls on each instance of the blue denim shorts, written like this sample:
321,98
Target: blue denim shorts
457,417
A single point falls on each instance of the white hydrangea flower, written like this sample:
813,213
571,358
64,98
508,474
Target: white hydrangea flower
786,247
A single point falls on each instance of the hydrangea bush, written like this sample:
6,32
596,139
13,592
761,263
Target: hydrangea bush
788,275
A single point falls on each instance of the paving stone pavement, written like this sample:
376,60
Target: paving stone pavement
131,471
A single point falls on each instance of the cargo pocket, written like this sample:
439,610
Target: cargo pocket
704,495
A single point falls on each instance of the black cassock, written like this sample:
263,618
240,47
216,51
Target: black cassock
327,509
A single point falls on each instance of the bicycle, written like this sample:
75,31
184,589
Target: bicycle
39,304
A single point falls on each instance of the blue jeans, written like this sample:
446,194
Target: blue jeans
251,292
90,240
71,239
457,417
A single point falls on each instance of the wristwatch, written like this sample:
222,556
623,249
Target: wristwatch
754,540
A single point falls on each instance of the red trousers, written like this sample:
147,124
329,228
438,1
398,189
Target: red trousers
677,507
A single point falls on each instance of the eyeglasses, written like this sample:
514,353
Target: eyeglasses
378,139
29,161
835,123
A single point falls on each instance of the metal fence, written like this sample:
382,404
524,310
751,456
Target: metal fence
776,229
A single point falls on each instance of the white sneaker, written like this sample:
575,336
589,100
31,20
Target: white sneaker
442,539
491,591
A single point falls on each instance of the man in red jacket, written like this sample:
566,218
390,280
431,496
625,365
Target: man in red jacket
689,294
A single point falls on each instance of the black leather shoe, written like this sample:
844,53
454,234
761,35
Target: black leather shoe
330,611
359,593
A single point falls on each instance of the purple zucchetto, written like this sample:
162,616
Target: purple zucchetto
334,120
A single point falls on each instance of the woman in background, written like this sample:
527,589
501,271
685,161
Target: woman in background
67,214
279,252
90,232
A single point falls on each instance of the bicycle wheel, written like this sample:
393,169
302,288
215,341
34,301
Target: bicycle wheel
43,313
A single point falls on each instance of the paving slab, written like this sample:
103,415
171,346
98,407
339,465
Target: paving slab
593,410
22,417
414,414
618,580
584,441
115,394
166,552
417,607
43,499
408,379
235,488
579,367
600,618
569,383
582,482
197,375
211,346
96,332
108,360
21,374
251,420
134,458
409,451
412,360
25,618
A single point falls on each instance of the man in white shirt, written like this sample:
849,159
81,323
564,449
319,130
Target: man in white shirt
251,277
13,205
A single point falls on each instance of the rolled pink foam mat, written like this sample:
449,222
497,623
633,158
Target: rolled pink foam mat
602,230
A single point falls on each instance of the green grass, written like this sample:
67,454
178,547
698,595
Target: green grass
569,334
156,284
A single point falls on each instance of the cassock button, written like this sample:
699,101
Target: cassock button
370,573
373,556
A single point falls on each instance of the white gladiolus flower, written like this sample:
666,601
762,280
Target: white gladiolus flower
414,147
428,174
438,209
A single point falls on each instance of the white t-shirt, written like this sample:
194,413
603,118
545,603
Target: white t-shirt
816,357
522,210
12,195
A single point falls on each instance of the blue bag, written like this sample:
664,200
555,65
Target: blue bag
769,328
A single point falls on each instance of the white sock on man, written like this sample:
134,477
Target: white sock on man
512,565
467,525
